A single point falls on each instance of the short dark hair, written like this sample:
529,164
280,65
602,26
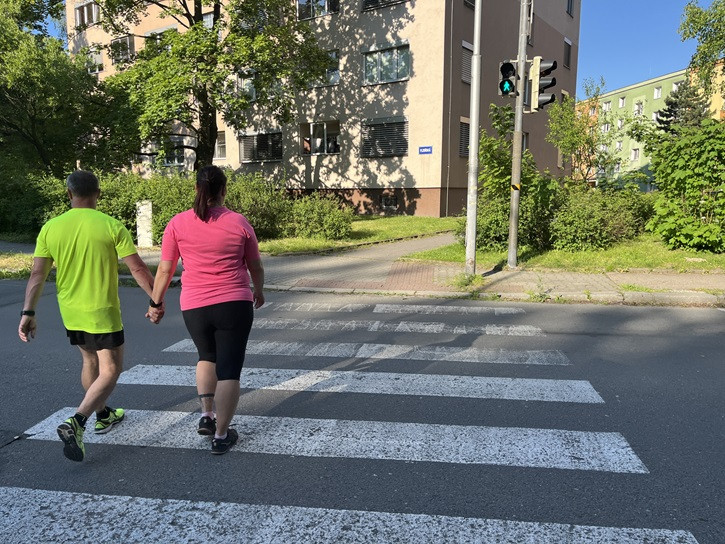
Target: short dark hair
83,183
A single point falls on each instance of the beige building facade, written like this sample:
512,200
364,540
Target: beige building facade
388,130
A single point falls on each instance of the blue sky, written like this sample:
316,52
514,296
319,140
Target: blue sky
627,41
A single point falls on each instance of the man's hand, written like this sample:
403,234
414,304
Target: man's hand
156,314
26,329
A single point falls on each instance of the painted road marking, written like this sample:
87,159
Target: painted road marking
182,521
436,309
385,383
399,326
308,437
394,351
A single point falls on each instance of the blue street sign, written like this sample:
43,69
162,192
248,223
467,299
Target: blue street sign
425,150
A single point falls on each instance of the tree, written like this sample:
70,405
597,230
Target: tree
180,81
585,133
52,111
707,26
685,106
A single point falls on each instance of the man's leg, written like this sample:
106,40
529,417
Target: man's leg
108,366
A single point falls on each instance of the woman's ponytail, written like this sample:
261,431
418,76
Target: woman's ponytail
210,182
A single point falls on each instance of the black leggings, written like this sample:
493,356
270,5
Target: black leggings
220,333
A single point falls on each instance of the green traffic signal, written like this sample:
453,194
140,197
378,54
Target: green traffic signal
506,85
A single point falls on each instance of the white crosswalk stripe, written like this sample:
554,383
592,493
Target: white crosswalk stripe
400,326
510,446
394,351
391,308
381,383
186,522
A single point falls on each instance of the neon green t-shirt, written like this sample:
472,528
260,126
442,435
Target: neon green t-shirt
86,245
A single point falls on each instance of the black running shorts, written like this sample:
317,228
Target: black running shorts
94,342
220,333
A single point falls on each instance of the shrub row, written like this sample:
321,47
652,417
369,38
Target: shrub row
30,200
570,218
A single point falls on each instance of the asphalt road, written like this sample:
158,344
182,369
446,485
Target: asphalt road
368,418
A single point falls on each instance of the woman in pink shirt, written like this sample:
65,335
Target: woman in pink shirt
219,252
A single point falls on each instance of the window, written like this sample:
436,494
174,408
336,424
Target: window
373,4
173,152
676,85
332,75
620,123
261,147
208,19
464,132
387,65
308,9
570,7
220,148
658,92
385,137
621,101
638,108
592,111
607,106
321,138
605,128
87,14
604,148
619,145
655,116
567,53
95,61
156,38
246,86
617,167
121,49
634,155
466,60
389,202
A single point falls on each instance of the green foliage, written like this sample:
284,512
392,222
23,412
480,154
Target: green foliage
266,206
707,27
30,199
169,194
320,216
190,76
689,170
685,107
538,192
596,219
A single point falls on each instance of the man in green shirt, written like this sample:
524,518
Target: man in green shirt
86,245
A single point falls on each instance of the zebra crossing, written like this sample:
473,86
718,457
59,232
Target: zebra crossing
359,439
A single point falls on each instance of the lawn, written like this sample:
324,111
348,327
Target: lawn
646,252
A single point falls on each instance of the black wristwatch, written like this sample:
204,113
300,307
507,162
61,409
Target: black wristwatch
154,305
30,313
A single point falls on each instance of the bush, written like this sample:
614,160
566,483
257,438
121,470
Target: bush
320,216
119,194
267,207
596,219
170,194
29,200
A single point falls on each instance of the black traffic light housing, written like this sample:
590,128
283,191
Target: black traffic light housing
507,78
539,82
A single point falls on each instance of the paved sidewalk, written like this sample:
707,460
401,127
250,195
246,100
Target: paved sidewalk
378,269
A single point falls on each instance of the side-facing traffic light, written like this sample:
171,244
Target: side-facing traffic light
539,82
506,78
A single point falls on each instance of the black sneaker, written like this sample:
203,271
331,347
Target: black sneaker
207,426
223,445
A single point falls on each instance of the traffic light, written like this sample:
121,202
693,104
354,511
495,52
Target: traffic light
539,82
506,78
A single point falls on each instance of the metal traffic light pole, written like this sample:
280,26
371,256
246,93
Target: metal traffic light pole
473,136
518,137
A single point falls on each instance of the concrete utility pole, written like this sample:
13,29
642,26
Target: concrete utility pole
518,137
473,137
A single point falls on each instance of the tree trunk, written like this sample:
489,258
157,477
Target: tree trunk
207,131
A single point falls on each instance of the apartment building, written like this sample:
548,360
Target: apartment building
646,99
387,129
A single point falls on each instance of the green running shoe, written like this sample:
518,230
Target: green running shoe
71,433
104,425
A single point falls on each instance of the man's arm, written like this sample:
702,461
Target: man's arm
140,272
256,271
36,282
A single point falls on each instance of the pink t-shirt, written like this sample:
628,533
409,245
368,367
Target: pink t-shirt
214,255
